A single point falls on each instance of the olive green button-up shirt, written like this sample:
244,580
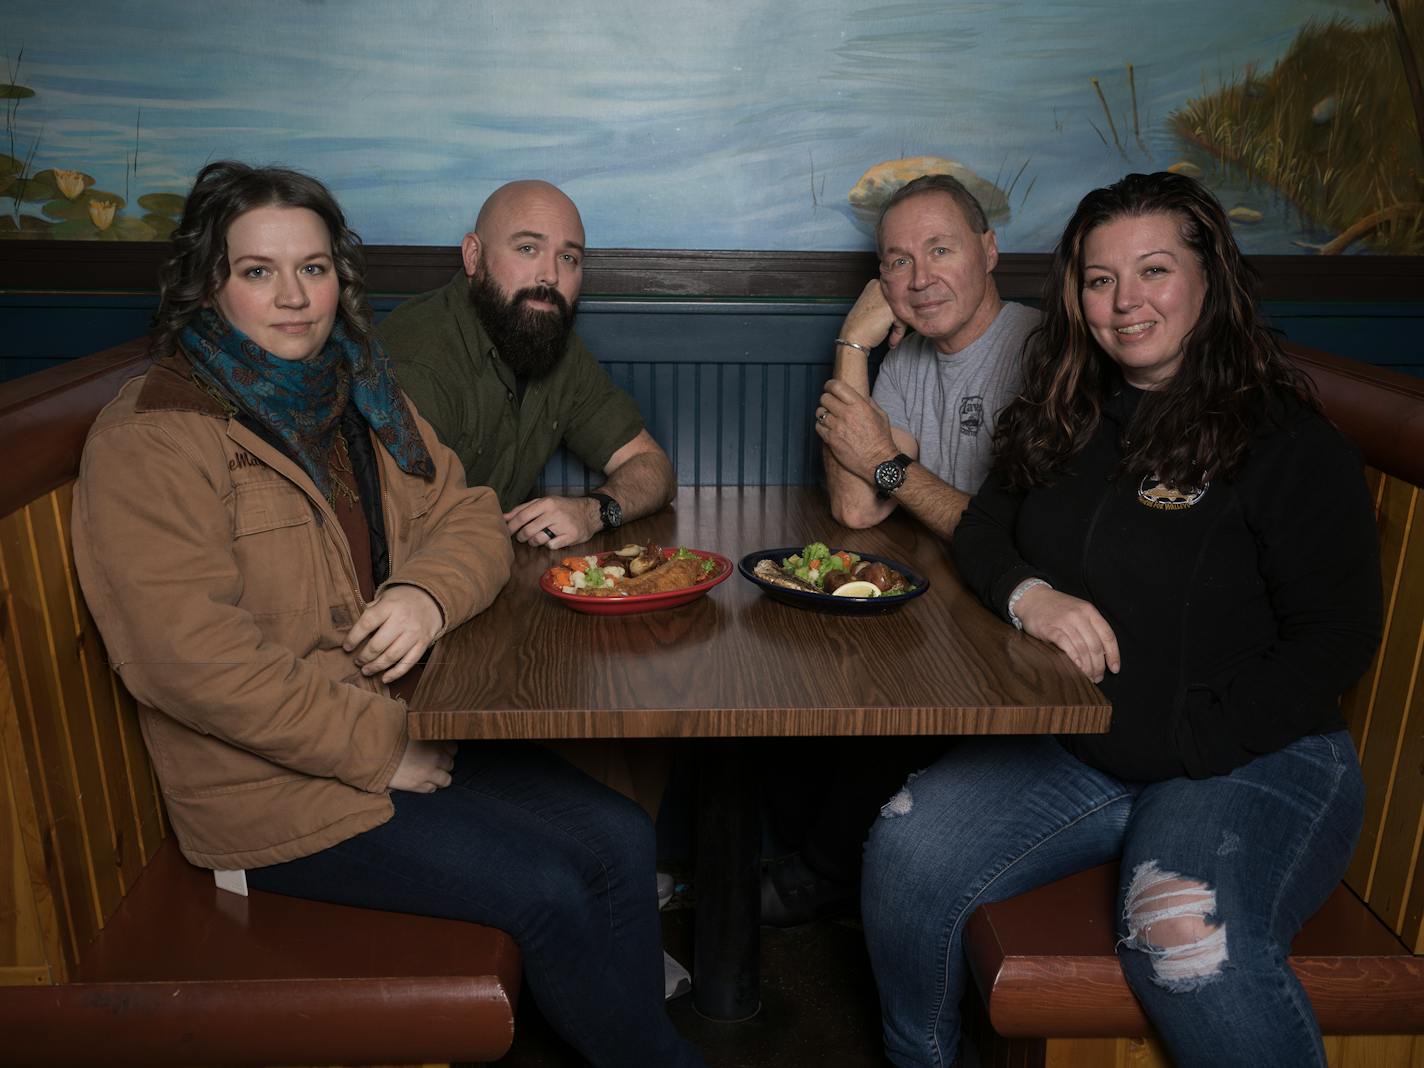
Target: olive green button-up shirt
447,363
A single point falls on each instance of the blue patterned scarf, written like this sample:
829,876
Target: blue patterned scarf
301,401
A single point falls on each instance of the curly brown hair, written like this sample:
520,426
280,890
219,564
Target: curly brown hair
224,190
1232,374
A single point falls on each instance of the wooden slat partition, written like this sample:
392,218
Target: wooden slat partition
1386,721
1384,414
70,728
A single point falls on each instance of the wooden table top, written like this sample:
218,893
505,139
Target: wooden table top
737,663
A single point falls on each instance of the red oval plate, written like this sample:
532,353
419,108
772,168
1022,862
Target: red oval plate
639,602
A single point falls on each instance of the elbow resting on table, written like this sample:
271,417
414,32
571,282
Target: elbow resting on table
856,517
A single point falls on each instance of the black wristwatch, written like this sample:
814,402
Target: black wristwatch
890,475
609,512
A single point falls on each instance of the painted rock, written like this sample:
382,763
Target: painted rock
1325,110
1190,170
1243,214
878,184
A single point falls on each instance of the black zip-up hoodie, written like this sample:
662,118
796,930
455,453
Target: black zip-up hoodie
1241,612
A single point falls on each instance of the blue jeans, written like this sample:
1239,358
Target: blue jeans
524,842
1239,863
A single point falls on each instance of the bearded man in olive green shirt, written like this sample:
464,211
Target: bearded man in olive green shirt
492,361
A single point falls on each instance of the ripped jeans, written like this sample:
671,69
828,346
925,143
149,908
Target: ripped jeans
1218,875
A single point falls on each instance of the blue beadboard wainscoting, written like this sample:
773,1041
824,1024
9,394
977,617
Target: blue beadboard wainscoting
726,385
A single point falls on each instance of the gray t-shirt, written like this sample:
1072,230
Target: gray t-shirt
949,403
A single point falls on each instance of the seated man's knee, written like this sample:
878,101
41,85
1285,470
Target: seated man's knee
1172,919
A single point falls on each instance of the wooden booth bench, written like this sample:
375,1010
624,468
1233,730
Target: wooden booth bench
1044,962
113,949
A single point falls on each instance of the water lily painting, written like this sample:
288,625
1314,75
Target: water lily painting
746,124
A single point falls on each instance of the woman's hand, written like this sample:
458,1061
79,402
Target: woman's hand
394,632
425,767
1072,625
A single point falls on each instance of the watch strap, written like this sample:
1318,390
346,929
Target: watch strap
899,460
606,506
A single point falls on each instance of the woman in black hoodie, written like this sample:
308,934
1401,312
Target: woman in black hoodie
1170,508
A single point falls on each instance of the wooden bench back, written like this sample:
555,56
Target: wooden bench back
1384,413
80,812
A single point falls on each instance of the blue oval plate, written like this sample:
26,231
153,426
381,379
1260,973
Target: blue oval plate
825,602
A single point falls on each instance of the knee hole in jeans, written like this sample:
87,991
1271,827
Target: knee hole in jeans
1171,918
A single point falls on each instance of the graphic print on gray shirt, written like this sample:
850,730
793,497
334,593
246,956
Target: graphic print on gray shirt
949,403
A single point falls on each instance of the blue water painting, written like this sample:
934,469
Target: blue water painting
743,124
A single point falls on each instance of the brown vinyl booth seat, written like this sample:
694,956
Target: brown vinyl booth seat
115,950
1052,991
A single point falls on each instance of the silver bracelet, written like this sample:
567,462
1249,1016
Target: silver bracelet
1019,590
852,345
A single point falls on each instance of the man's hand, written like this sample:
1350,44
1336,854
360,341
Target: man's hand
1072,625
871,321
569,520
854,428
424,768
394,632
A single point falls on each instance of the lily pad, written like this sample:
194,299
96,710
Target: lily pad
127,230
75,230
51,179
78,208
161,225
27,226
170,204
15,92
35,189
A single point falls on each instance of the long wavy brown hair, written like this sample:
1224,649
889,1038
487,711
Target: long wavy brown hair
224,190
1233,372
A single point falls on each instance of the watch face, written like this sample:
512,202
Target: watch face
611,513
889,475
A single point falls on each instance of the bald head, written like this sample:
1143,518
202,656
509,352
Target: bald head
528,235
515,201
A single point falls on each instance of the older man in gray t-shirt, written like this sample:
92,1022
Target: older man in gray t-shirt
948,402
923,439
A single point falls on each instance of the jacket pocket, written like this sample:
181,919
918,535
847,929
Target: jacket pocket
272,543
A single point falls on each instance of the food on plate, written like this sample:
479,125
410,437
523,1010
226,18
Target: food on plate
816,569
643,561
675,574
855,588
769,572
630,571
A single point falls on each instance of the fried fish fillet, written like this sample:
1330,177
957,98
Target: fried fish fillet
769,572
675,574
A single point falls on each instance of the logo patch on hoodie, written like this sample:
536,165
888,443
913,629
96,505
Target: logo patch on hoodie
1155,493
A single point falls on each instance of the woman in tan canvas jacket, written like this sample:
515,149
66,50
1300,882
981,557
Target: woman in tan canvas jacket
270,537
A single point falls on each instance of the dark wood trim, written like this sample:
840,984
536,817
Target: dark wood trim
89,266
45,418
1380,410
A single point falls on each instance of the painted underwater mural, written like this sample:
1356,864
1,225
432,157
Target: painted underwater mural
742,125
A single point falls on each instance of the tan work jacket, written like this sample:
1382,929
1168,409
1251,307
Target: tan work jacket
223,586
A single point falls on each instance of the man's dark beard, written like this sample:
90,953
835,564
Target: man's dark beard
530,341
